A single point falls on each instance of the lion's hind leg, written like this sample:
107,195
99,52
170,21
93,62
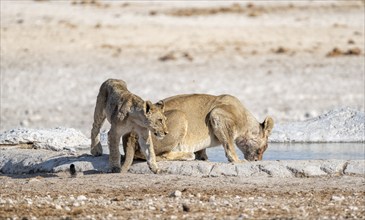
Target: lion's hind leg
99,118
130,145
201,155
182,156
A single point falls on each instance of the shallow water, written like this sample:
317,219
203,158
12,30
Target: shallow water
301,151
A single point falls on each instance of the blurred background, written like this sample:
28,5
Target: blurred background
292,60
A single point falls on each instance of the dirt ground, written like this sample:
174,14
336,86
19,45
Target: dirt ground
291,60
133,196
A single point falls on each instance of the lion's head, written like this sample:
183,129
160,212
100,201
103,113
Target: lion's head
155,119
254,148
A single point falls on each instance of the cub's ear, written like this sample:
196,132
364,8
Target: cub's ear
268,125
147,106
161,105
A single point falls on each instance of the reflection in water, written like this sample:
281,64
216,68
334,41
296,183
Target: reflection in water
301,151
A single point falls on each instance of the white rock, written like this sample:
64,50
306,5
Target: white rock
353,208
81,198
212,199
152,208
337,198
52,139
176,194
342,124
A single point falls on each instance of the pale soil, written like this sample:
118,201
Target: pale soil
273,57
135,196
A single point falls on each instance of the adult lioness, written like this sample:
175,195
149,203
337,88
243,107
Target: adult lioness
198,121
126,112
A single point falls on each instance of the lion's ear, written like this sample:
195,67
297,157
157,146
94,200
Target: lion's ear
161,105
268,125
147,106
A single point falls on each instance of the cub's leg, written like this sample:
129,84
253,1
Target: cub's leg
146,145
130,145
222,123
114,135
176,156
99,118
201,155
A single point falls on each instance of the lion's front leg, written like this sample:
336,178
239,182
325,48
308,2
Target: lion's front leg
223,128
114,135
146,144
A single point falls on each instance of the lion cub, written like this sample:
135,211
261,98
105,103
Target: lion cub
198,121
126,112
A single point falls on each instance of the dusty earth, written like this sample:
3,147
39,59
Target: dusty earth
133,196
292,60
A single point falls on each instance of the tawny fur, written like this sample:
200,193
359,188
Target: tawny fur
126,112
199,121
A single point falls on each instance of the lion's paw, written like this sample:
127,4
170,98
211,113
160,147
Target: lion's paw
115,170
154,169
97,150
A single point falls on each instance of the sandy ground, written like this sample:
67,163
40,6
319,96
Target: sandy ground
279,59
291,60
115,196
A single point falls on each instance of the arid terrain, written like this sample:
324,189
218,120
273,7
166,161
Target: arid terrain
292,60
135,196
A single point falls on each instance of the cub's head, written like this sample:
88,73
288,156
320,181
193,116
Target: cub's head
254,147
155,118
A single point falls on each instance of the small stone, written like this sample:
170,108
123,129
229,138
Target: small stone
152,208
212,199
81,198
34,180
185,207
58,207
24,123
353,208
176,194
29,201
337,198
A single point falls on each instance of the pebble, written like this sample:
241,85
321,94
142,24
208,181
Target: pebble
152,208
81,198
353,208
185,207
212,199
176,194
337,198
33,180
